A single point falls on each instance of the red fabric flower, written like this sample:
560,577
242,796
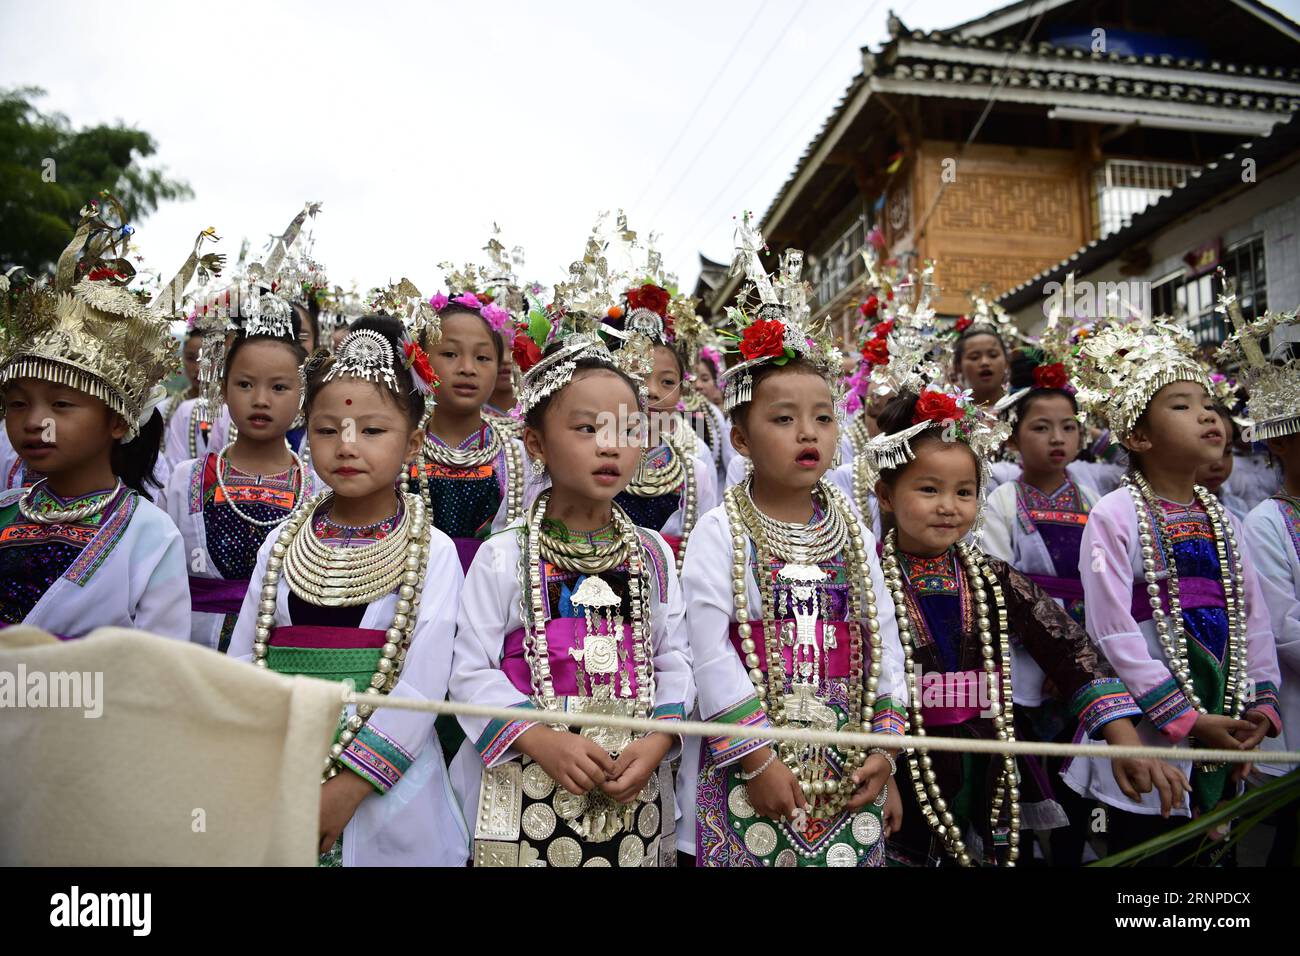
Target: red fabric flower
1051,376
104,272
963,323
870,307
525,352
876,352
935,407
764,337
418,361
649,296
882,329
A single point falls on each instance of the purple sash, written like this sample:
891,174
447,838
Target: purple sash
466,548
1192,592
1067,589
315,635
562,634
836,658
217,595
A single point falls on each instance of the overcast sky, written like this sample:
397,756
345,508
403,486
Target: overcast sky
418,125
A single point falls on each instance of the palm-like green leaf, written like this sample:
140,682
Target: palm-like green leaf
1249,810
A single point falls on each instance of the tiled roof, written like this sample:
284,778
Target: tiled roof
1066,55
1063,83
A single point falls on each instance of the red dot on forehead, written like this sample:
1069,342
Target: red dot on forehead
347,401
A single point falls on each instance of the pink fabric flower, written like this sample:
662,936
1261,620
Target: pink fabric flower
469,300
439,302
495,316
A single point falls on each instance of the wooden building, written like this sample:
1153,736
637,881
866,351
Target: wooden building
1002,146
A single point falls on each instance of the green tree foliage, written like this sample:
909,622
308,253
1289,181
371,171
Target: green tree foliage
48,171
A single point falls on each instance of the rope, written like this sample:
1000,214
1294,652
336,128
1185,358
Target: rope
700,728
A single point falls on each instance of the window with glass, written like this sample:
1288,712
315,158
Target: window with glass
1191,300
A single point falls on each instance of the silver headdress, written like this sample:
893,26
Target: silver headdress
555,371
945,409
368,355
1272,381
783,300
1121,368
266,313
85,330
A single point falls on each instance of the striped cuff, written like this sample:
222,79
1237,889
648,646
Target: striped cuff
1265,700
377,758
493,743
671,712
725,750
889,718
1099,702
1167,707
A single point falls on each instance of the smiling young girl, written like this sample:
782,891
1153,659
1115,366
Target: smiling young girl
226,502
958,612
573,609
357,585
80,371
1172,598
470,470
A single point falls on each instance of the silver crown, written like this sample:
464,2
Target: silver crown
556,370
365,354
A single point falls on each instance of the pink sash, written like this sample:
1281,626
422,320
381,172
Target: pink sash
314,635
956,696
835,660
562,635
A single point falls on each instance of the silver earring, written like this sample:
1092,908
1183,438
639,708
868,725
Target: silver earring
538,467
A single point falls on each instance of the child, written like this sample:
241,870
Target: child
225,502
1173,600
675,483
982,361
699,413
1216,476
471,470
790,624
579,572
358,585
190,428
1273,532
707,369
190,363
502,399
958,610
1034,522
80,372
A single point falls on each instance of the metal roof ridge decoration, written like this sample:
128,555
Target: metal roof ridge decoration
1045,49
1059,82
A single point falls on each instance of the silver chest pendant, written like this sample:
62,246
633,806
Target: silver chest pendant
804,705
610,694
